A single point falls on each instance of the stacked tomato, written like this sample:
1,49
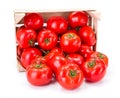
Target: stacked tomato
62,50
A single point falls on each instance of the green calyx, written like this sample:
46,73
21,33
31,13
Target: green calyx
100,55
73,73
91,64
47,40
37,66
31,42
69,35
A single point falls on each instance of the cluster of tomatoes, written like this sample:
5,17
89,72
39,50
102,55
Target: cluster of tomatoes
60,49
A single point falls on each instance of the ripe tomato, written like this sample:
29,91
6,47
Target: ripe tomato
52,53
70,76
56,62
57,24
76,58
85,50
77,19
70,42
38,60
25,37
94,70
39,74
87,35
47,39
33,20
99,55
28,55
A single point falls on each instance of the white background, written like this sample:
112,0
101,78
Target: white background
13,84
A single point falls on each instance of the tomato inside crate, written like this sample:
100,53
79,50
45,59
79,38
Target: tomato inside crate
20,22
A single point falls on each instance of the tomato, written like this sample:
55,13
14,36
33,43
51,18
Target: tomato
70,42
33,20
52,53
87,35
85,50
28,55
25,37
99,55
76,58
47,39
38,59
77,19
70,76
56,62
57,24
94,70
39,74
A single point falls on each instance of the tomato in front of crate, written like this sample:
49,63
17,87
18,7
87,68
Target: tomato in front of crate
70,42
93,69
85,50
77,19
39,74
70,76
28,55
47,39
99,55
25,37
76,58
87,35
33,20
56,62
58,24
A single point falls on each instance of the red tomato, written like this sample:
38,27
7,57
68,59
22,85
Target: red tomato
28,55
94,70
76,58
57,24
70,76
47,39
33,20
87,35
52,53
38,60
70,42
85,50
77,19
39,74
99,55
25,37
56,62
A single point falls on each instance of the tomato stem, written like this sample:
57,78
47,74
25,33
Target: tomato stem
37,66
73,73
47,40
70,35
31,42
91,64
100,55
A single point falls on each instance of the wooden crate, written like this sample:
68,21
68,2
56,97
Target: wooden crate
94,16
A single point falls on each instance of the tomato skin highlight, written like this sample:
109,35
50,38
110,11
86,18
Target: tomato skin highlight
70,76
78,19
57,24
33,20
87,35
76,58
70,42
47,39
28,55
39,74
94,70
85,50
25,37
